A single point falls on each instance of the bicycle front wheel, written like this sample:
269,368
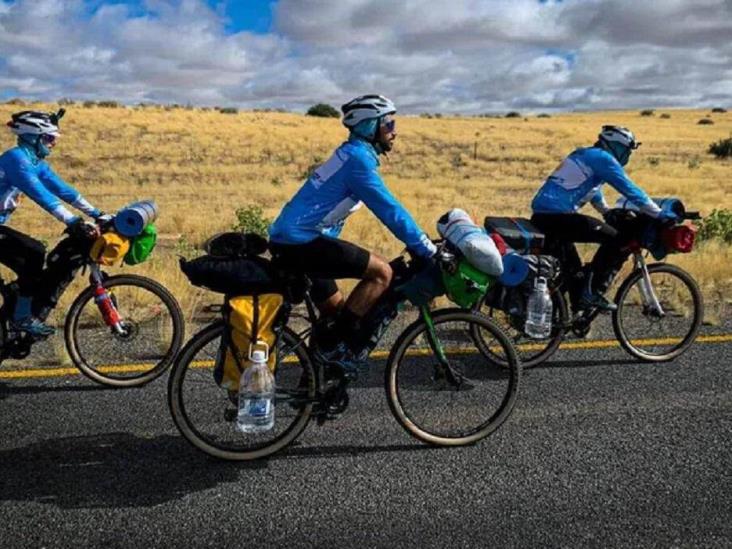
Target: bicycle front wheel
442,389
206,414
658,336
153,332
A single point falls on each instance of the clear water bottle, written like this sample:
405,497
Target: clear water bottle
256,396
539,311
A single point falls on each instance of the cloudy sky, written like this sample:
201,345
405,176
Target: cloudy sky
466,56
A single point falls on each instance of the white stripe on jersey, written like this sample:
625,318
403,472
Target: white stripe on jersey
571,174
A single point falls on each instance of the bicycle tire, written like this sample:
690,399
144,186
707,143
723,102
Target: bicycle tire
395,393
194,436
82,362
528,359
618,325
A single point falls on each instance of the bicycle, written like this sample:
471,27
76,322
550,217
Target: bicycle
439,387
659,312
120,331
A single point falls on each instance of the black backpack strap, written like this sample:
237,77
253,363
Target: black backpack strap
255,321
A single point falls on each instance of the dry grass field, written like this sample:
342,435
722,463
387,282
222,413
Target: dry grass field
200,165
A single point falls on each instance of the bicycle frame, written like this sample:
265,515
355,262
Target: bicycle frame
651,304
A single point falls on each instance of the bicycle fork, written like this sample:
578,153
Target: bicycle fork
443,368
104,301
651,304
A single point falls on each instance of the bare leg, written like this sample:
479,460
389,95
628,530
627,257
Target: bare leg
332,305
375,281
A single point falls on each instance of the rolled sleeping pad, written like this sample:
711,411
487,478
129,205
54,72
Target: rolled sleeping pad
132,219
515,270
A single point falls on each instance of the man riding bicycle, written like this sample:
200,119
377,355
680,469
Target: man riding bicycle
23,171
304,238
577,180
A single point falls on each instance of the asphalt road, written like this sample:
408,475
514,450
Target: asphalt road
600,451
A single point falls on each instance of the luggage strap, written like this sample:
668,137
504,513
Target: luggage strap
524,232
253,337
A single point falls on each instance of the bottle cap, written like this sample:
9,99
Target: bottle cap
259,356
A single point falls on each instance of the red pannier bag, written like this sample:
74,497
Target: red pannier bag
679,239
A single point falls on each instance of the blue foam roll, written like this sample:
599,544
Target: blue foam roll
515,269
131,220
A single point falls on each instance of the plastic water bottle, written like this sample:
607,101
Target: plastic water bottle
256,396
539,311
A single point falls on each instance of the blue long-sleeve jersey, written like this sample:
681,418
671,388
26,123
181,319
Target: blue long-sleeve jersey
579,180
349,179
22,173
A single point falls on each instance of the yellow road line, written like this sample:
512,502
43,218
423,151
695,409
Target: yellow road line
377,355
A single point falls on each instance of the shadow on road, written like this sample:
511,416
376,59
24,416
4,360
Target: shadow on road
586,363
110,470
7,390
297,452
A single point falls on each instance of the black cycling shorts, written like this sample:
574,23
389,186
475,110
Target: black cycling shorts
323,260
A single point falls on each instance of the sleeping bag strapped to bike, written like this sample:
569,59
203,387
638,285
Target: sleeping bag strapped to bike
517,232
231,275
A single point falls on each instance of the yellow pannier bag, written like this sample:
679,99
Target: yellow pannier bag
110,249
251,322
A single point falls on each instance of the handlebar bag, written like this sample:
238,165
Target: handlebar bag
110,249
679,239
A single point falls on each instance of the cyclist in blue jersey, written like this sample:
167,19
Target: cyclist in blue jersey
578,180
23,171
304,237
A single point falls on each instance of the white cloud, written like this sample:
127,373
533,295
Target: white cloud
459,56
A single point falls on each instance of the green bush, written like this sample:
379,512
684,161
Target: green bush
647,112
323,110
705,122
665,115
89,104
108,104
722,148
717,224
543,115
719,109
228,110
513,114
251,219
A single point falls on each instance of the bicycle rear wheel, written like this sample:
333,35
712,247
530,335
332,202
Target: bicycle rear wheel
206,415
153,324
531,352
435,409
647,335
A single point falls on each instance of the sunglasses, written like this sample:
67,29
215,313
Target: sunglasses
48,139
389,125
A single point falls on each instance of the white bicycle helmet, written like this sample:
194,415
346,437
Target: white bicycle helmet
366,107
35,123
617,134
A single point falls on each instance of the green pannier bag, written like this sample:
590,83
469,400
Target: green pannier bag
142,245
466,285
